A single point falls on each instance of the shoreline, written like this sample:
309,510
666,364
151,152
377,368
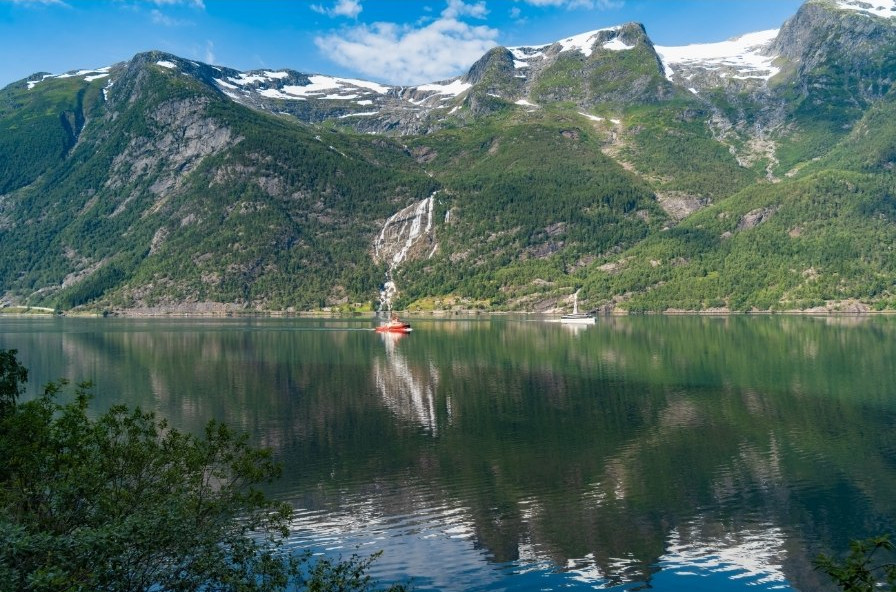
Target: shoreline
436,314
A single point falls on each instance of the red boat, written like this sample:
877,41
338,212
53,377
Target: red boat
395,325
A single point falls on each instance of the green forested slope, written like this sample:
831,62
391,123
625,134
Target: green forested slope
529,200
37,130
826,237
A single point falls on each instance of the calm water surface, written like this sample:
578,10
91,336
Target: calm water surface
515,454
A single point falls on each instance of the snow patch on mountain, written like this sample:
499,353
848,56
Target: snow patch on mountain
255,77
617,44
584,42
453,88
364,114
88,75
881,8
225,84
374,86
522,54
744,56
319,87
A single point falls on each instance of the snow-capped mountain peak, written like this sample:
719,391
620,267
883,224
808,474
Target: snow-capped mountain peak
744,57
589,69
583,43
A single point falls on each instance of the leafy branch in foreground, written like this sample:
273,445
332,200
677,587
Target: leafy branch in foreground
125,502
863,570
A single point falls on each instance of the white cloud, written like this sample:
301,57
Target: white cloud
38,2
404,54
459,8
154,5
349,8
346,8
587,4
160,18
200,4
209,52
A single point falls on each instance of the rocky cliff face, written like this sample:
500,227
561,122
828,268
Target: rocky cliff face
179,137
835,48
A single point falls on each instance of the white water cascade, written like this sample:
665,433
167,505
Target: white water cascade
407,235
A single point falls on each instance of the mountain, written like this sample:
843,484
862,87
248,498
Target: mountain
753,174
166,193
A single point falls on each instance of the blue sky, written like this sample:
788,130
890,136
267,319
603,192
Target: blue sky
392,41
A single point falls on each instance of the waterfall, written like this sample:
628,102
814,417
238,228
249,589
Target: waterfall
407,235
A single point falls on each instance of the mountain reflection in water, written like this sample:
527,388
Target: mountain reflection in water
509,454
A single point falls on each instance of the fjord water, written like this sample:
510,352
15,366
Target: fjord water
496,453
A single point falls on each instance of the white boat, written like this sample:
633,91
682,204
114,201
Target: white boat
579,318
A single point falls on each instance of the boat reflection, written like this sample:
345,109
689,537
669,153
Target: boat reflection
576,328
